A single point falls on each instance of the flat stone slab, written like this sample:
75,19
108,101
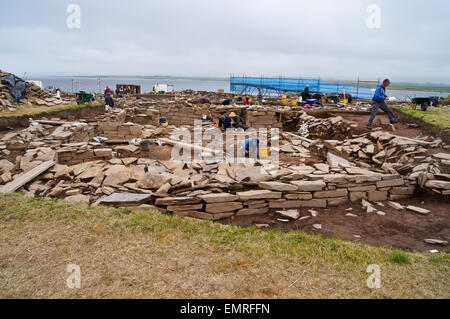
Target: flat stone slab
391,182
219,198
223,208
252,211
336,161
91,173
292,213
437,184
314,203
396,205
6,164
202,215
419,210
331,194
442,156
25,178
277,186
125,198
165,201
436,242
78,199
359,171
258,194
298,196
284,203
105,152
309,186
188,207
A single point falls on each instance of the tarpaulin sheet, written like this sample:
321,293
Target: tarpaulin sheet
16,86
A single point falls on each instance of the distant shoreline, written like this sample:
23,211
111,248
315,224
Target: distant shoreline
421,88
399,87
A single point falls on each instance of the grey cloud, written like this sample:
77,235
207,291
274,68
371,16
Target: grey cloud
325,38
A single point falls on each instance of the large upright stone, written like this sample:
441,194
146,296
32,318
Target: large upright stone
378,196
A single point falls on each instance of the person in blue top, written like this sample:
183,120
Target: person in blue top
378,103
225,121
250,145
260,95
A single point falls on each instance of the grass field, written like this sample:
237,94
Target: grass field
439,117
125,253
420,87
33,110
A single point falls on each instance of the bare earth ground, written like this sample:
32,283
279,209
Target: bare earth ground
144,254
399,229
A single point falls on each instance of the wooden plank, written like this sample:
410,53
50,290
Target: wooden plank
189,146
54,123
25,178
312,142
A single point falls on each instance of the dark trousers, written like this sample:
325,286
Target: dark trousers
380,105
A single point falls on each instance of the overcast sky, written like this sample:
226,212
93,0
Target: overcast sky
326,38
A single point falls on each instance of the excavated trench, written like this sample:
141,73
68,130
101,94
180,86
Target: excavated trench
400,229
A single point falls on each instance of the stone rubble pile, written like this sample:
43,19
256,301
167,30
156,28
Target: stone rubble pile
388,153
33,94
322,127
374,167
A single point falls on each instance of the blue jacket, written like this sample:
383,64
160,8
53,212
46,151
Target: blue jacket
250,142
380,94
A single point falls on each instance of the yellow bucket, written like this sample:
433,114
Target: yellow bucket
345,101
324,100
294,103
441,105
264,152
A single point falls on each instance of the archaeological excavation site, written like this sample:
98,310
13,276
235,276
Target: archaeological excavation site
386,187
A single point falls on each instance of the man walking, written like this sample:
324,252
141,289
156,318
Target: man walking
378,103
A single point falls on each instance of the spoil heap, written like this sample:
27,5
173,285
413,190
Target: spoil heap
14,90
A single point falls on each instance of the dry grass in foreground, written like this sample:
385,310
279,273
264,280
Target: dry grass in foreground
145,254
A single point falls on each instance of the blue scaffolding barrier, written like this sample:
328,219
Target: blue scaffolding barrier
270,86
